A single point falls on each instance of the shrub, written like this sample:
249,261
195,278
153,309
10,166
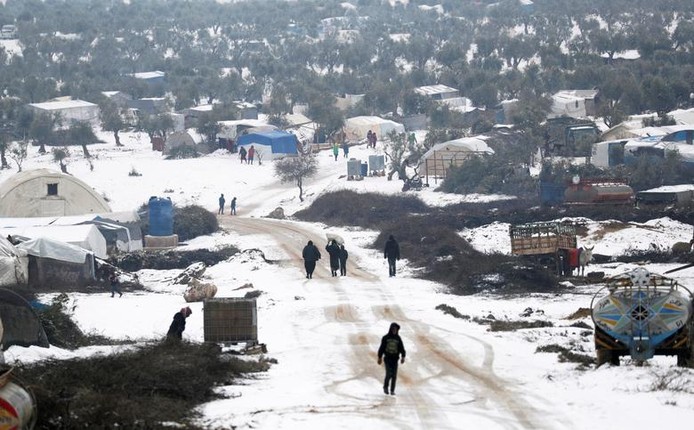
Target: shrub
166,260
361,209
143,388
193,221
61,330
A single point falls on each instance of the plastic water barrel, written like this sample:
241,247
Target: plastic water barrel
160,216
17,407
364,169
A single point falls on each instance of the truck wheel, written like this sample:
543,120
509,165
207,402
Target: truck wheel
603,356
614,358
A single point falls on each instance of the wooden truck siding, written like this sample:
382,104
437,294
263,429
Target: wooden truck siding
541,238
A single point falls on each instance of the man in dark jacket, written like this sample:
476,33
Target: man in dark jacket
392,253
178,325
221,204
343,260
334,251
389,352
310,254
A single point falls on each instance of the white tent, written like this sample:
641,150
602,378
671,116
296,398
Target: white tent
357,127
44,192
120,229
55,249
14,266
440,157
84,236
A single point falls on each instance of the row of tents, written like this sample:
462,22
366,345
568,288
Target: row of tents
62,250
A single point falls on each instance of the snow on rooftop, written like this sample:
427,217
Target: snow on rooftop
148,75
66,104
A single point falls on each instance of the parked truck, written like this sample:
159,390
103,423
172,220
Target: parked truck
549,242
642,314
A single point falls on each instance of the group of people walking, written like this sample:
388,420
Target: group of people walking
338,258
247,156
345,150
371,139
222,202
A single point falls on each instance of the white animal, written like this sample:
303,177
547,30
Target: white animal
198,291
584,258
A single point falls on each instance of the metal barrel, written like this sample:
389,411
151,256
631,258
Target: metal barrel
17,407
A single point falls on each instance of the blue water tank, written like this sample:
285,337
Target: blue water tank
160,216
364,169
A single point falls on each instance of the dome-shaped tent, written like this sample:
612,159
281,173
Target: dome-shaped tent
44,192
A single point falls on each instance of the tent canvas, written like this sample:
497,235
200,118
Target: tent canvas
440,157
44,247
13,264
56,263
357,127
279,142
120,229
83,236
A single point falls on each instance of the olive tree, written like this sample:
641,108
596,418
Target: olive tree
296,169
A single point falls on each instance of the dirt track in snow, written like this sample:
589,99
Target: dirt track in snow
472,388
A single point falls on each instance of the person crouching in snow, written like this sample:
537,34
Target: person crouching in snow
178,325
390,350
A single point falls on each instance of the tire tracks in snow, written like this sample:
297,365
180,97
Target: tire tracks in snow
435,359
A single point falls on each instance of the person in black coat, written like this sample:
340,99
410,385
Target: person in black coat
392,253
178,325
343,260
334,251
310,254
390,351
221,204
115,285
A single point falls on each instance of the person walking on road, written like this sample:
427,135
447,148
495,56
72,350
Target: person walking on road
310,254
242,155
343,260
389,352
345,150
115,285
392,253
251,154
336,150
334,251
221,205
233,207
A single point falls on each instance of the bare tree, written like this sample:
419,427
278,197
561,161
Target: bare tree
296,169
59,156
18,153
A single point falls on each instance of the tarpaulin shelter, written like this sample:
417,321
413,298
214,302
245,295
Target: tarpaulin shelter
85,236
442,156
357,127
54,263
273,144
13,264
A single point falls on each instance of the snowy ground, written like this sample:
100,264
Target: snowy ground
324,332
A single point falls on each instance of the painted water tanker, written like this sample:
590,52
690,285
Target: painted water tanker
642,314
598,191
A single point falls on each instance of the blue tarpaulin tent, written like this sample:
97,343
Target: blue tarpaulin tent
281,142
